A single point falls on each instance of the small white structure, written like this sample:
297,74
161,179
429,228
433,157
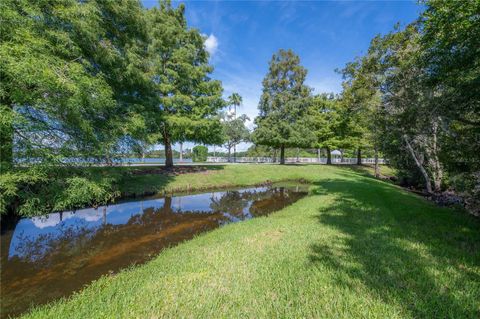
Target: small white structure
336,156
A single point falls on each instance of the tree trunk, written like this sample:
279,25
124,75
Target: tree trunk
318,155
6,141
167,205
282,155
6,149
234,153
181,152
359,156
437,181
108,160
168,150
10,219
428,184
329,156
437,167
274,159
229,155
298,153
377,170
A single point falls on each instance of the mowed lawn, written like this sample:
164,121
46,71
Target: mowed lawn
356,247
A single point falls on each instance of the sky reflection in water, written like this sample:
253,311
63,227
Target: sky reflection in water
53,255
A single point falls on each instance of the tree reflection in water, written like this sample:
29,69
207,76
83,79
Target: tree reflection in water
52,256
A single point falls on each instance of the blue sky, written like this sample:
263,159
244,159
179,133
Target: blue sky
243,35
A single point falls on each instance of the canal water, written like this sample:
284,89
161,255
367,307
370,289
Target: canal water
49,257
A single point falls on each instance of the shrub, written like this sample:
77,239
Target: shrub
200,153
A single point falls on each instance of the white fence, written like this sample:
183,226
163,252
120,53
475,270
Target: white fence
313,160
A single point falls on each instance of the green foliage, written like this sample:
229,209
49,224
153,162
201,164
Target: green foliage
199,153
67,75
451,56
43,189
451,47
91,80
13,182
378,251
267,151
234,131
80,190
236,100
6,138
327,120
284,104
415,97
72,86
261,151
186,100
361,99
161,154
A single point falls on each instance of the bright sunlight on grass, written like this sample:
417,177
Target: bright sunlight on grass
356,247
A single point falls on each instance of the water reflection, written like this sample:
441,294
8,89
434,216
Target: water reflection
51,256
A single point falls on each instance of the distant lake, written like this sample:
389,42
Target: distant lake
132,160
150,160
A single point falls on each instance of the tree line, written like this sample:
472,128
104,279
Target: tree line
416,91
91,80
95,79
414,97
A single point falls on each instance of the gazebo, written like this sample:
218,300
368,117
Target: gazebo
336,156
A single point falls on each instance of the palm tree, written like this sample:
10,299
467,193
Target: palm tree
236,100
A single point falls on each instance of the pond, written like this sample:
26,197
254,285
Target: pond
45,258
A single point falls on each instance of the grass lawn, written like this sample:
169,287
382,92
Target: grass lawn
135,181
355,247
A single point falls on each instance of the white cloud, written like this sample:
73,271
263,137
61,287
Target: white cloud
211,44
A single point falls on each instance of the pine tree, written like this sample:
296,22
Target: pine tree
186,99
283,105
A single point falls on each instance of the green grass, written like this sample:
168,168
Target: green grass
355,247
133,184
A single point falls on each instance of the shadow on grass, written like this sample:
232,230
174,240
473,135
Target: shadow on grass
403,249
143,181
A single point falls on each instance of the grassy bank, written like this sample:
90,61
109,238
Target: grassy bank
355,247
136,181
68,188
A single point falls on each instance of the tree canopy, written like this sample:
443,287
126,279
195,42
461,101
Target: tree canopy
88,81
72,83
283,106
416,91
234,131
186,98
